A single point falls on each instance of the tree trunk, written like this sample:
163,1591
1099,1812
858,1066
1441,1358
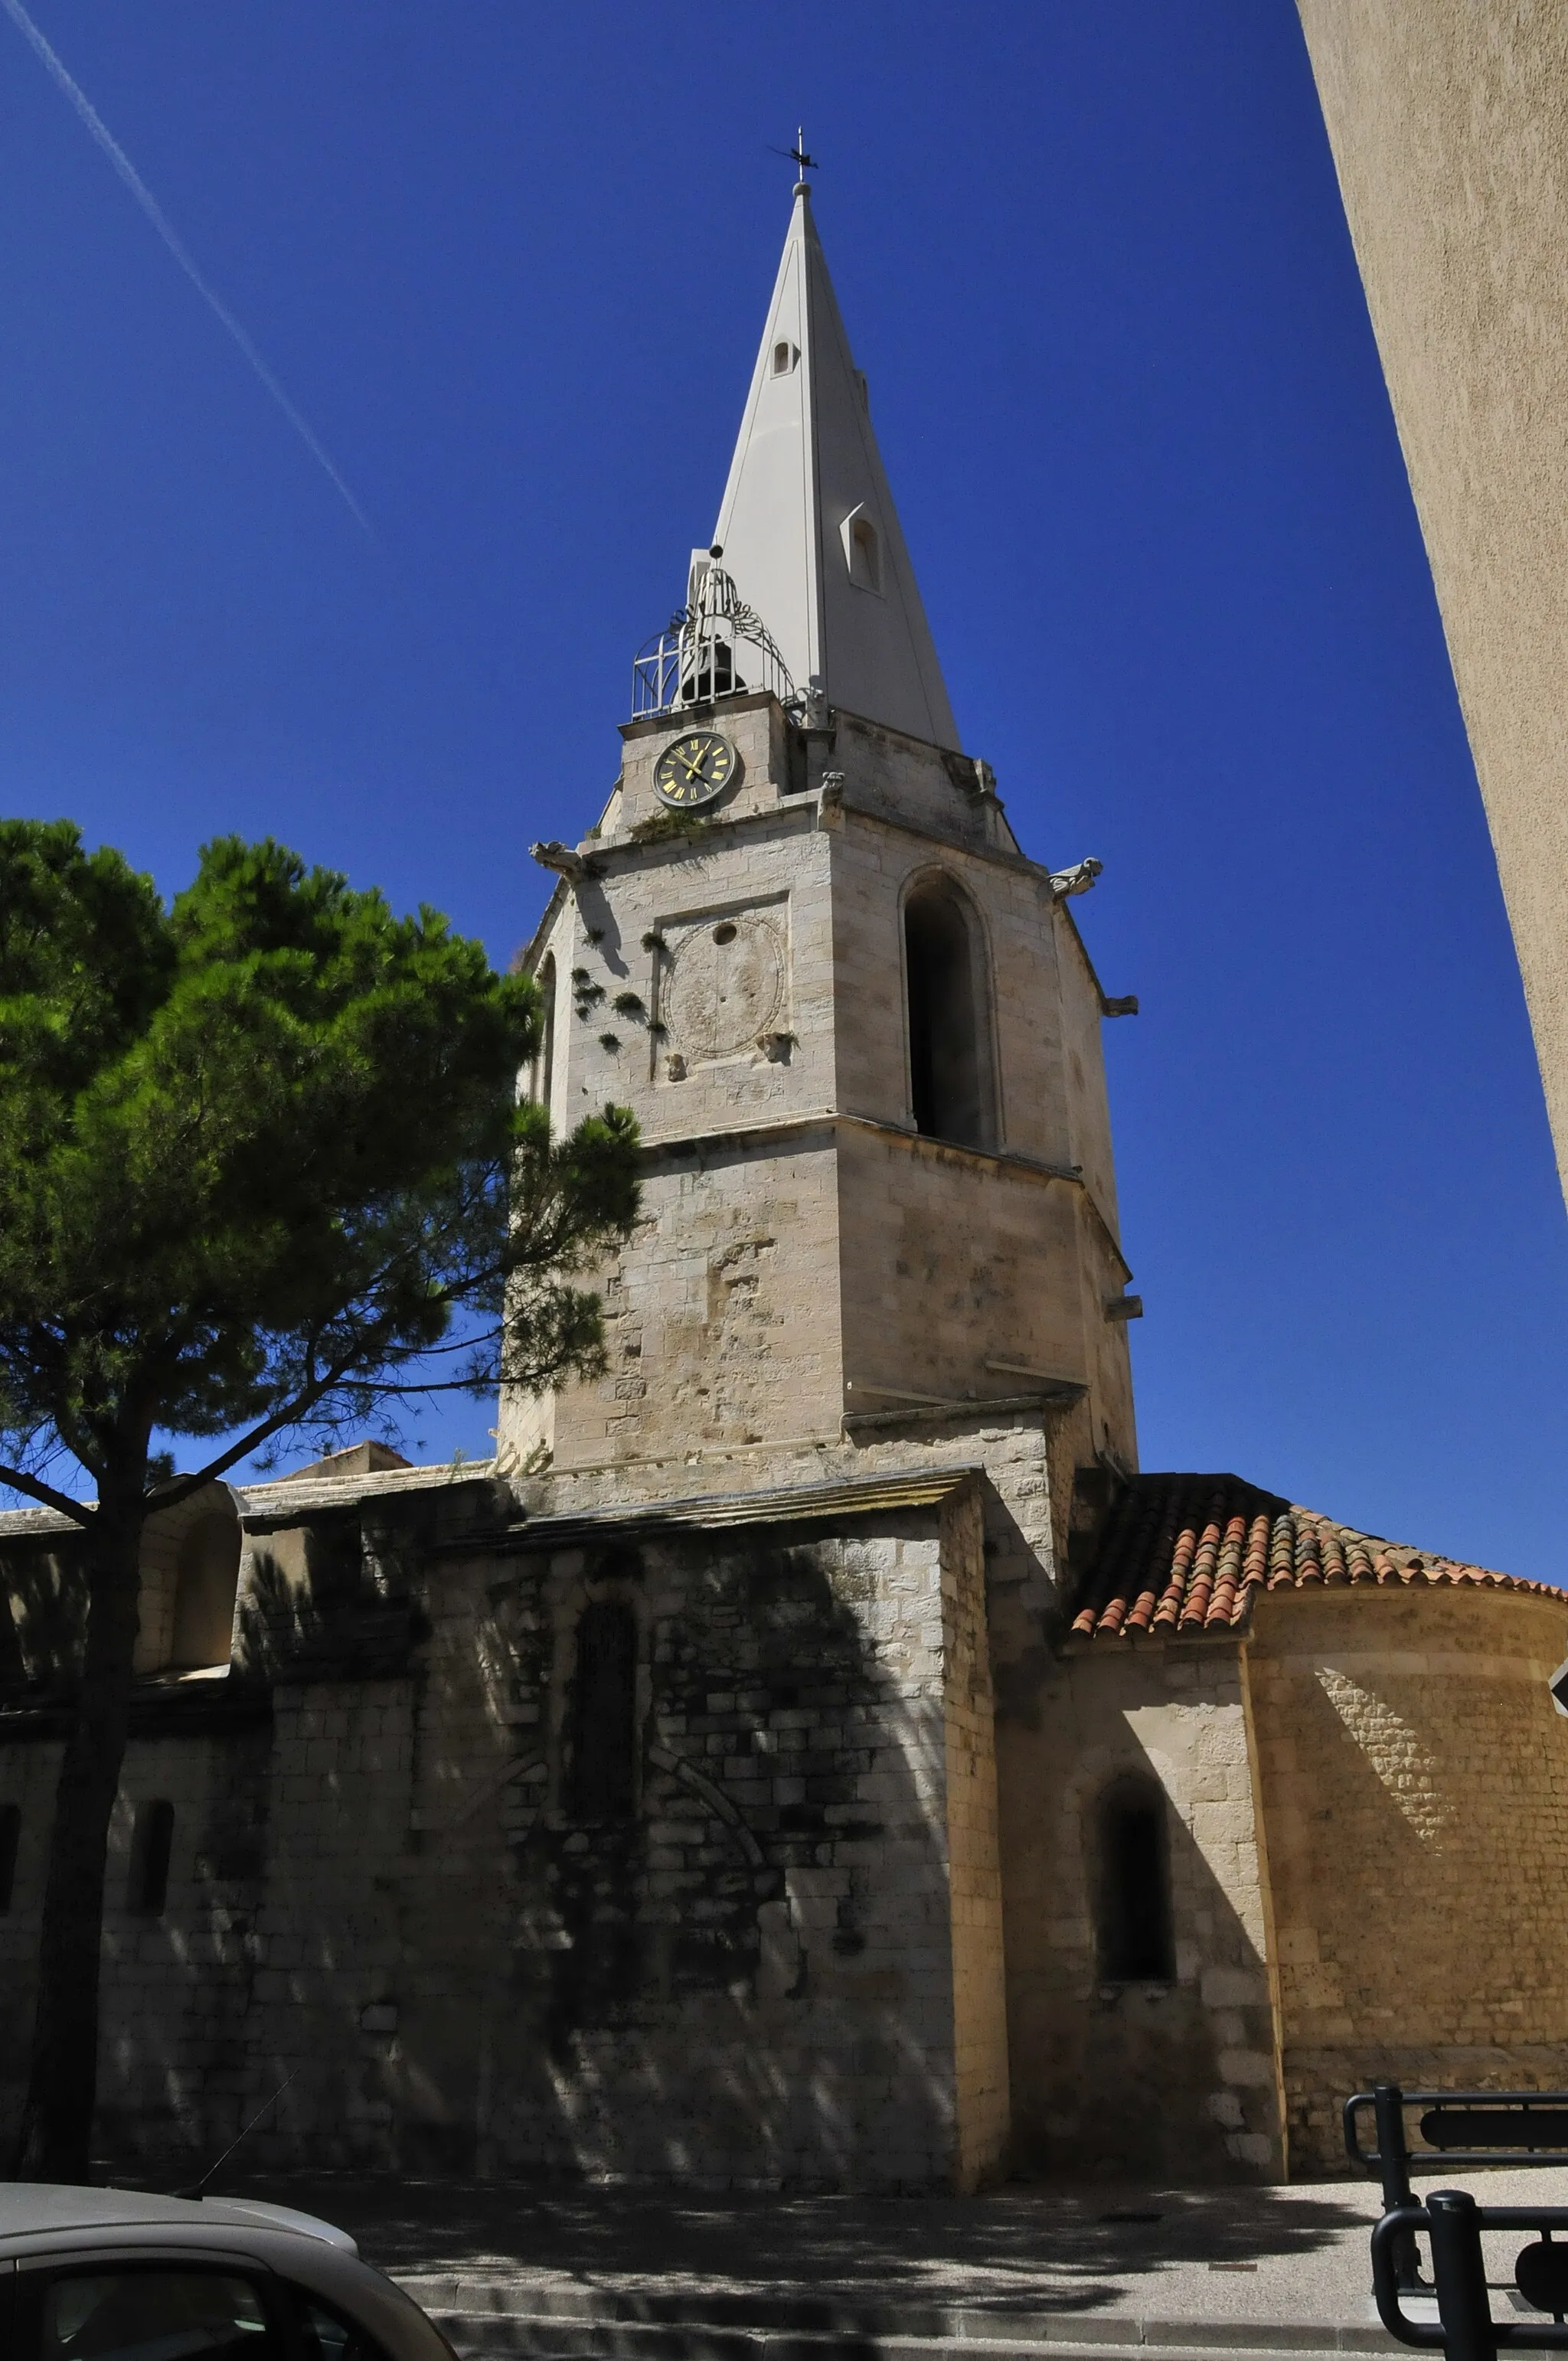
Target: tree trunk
57,2120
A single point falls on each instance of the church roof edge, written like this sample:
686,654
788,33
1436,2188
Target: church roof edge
776,1504
1184,1556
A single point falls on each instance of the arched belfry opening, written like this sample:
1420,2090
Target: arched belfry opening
949,1077
542,1072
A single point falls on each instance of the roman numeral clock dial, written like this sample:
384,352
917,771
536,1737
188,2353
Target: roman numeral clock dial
696,770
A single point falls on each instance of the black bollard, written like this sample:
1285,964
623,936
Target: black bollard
1394,2159
1459,2272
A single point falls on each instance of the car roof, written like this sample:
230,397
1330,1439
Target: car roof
28,2207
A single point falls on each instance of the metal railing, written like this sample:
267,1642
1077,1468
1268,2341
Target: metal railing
713,646
1464,2329
1463,2128
1459,2127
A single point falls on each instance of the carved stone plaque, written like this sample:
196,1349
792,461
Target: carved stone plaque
725,984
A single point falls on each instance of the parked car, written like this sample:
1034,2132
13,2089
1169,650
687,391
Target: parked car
112,2274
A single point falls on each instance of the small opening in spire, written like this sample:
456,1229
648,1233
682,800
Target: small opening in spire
785,356
862,549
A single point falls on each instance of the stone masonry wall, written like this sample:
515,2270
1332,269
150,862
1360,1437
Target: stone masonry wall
1414,1779
175,2074
385,1884
951,1262
329,1934
722,1324
749,1980
981,2095
1173,2079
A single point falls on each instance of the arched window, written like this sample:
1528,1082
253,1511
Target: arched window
604,1713
1136,1944
947,1062
153,1840
541,1073
10,1838
205,1585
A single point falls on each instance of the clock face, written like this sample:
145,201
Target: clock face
696,769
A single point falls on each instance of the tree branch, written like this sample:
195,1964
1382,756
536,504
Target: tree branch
12,1479
291,1413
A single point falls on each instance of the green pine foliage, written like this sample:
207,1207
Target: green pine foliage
254,1156
263,1166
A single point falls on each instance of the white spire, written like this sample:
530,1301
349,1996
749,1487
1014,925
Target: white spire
808,529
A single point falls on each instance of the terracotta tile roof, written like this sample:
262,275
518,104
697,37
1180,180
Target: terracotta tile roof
1187,1553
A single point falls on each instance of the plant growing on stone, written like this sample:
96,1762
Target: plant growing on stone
628,1004
660,827
262,1167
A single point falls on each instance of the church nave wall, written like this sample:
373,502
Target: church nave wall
1153,2064
1414,1779
638,1854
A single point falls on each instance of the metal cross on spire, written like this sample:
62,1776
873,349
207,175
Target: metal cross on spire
798,154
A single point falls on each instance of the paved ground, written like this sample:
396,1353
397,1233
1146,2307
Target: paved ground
1082,2256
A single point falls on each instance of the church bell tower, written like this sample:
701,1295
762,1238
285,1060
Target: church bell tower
855,1021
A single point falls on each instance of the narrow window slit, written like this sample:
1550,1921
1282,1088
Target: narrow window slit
152,1842
10,1838
1134,1930
604,1713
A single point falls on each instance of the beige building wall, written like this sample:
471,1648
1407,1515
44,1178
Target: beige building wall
1449,124
1414,1779
1172,2080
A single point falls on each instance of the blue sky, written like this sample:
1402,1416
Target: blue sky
511,262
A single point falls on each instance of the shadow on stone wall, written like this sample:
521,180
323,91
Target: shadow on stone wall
1117,2075
41,1638
1149,2079
744,1983
1419,1815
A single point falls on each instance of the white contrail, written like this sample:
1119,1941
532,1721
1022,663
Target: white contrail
182,253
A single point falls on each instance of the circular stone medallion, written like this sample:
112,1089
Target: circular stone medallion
726,985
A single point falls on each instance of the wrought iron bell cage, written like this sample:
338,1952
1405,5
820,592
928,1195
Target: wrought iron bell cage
713,646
